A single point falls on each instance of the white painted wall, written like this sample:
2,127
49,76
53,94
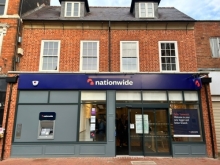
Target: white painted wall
215,85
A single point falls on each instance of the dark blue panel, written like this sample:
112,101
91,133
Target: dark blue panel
186,123
110,81
47,116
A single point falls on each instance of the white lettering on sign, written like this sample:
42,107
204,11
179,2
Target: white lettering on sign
47,115
107,82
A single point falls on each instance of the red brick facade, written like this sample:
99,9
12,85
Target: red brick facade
70,48
70,58
203,31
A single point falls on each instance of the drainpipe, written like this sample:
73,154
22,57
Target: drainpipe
16,39
109,46
206,82
6,122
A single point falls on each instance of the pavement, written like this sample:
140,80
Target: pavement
111,161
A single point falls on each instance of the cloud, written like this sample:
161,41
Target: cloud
197,9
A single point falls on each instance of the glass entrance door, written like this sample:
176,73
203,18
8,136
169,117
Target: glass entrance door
148,132
157,140
135,131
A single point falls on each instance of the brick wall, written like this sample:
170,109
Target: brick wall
203,31
11,117
13,7
8,46
205,113
70,48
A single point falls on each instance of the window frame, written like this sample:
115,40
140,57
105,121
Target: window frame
41,55
176,55
81,56
1,42
146,10
218,43
72,9
137,51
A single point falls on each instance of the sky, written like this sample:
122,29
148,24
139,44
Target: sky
197,9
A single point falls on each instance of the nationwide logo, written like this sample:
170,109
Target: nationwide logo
47,115
110,82
197,83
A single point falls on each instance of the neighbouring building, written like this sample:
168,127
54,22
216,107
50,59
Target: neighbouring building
208,54
108,81
10,11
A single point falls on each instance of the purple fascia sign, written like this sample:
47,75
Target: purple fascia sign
185,123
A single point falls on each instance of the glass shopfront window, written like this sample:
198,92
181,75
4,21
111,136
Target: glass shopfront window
93,116
185,117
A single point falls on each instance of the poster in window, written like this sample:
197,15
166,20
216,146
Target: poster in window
186,123
139,124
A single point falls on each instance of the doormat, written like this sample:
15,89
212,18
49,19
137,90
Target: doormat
143,162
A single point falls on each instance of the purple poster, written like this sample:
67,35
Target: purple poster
185,123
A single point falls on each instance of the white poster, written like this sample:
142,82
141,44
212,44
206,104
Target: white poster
131,126
92,127
92,119
146,124
139,124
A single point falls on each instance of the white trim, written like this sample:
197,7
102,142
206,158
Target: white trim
1,42
72,9
176,53
146,10
81,59
137,47
186,135
10,16
41,55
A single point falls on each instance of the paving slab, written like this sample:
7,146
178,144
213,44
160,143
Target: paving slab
111,161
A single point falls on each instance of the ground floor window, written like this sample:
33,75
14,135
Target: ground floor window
93,116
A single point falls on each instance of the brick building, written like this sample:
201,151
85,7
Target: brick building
10,11
207,34
108,81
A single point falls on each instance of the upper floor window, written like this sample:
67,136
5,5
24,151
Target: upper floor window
129,56
50,52
89,56
146,10
72,9
215,46
168,56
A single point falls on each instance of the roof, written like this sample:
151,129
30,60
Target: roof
105,14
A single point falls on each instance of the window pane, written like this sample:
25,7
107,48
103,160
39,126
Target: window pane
215,46
172,52
68,9
129,49
134,95
93,124
169,62
173,66
89,56
190,96
155,95
2,8
167,52
175,96
76,9
194,116
50,56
